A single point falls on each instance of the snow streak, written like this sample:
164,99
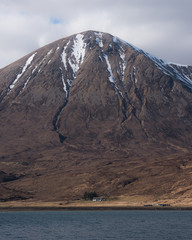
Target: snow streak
28,62
123,62
64,56
111,77
26,82
98,39
64,85
78,53
44,59
134,76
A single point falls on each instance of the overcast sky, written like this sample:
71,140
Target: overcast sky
160,27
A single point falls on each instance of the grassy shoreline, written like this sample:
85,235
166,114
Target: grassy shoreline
126,203
19,206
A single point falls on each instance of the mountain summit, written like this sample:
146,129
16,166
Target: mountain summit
91,112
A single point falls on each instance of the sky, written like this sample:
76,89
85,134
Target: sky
159,27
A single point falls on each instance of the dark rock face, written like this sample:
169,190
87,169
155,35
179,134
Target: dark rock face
92,96
4,177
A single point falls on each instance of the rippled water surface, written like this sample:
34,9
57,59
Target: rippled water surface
96,225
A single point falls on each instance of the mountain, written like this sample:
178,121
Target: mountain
91,112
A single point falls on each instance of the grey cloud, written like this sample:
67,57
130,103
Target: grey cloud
161,27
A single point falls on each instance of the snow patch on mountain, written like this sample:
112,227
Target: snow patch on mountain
25,84
123,62
27,81
64,56
111,77
34,69
28,62
184,70
44,60
178,64
78,53
49,52
134,76
98,39
64,85
69,82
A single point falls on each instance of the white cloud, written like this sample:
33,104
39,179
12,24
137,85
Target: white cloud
161,27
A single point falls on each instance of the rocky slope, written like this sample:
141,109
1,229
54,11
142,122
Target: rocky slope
91,112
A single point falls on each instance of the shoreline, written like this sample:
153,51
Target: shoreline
92,208
124,204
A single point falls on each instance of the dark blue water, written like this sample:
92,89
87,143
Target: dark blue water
96,225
